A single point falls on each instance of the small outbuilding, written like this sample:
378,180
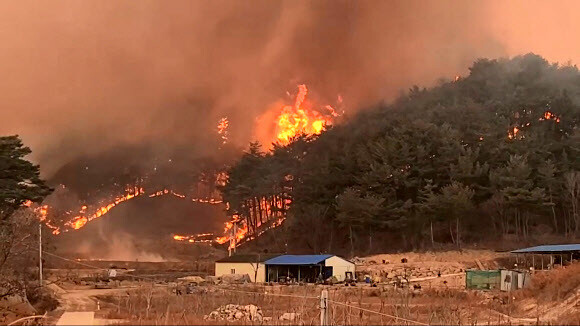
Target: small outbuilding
252,264
308,268
547,255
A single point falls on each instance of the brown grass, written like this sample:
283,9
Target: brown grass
555,285
159,306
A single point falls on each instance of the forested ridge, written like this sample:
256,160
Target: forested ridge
487,156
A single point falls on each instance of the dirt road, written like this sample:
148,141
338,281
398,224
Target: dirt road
80,305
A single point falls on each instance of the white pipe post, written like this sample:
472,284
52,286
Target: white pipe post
324,308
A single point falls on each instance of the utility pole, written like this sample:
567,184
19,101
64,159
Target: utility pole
232,246
40,254
324,308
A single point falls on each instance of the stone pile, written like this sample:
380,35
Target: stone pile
234,312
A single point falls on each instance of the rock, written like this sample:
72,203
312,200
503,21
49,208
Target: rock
332,280
192,279
212,279
235,278
289,316
233,312
16,304
253,312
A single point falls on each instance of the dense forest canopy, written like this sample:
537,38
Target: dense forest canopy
490,155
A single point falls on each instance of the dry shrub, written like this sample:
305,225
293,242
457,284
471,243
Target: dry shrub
554,285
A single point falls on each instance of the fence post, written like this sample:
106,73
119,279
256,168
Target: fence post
324,308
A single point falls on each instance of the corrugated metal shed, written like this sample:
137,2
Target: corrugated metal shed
548,249
297,259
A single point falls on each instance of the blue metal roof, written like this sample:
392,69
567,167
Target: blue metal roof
297,259
549,249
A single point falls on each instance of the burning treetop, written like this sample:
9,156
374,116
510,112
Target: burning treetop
301,118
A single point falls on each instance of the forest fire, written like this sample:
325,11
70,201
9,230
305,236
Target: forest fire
81,220
195,238
290,121
301,118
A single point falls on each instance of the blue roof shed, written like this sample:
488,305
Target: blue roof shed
549,249
297,260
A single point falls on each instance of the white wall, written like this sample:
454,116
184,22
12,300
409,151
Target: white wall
339,267
222,268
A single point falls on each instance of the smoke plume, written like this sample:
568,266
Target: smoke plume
82,77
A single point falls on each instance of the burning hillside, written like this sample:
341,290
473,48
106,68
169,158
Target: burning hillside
141,228
156,177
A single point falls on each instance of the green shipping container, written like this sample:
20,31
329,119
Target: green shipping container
482,280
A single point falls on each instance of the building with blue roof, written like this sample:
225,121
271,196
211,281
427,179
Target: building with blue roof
273,268
308,268
561,254
550,249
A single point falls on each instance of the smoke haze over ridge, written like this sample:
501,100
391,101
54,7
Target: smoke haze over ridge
84,76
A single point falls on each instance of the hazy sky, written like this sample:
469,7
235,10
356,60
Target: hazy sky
81,76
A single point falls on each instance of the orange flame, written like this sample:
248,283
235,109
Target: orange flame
298,119
222,127
550,116
79,221
513,132
195,238
42,212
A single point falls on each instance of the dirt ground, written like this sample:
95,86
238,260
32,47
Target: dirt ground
439,299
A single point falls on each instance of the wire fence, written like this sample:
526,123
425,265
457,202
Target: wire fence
329,301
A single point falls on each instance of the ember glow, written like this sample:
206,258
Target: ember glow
550,116
301,118
512,133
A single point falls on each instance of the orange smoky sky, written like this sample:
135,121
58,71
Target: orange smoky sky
79,77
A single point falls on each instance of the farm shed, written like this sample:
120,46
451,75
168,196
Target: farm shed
307,268
482,280
547,255
252,264
513,280
503,279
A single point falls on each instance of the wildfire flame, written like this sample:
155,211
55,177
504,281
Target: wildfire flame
513,131
222,128
298,119
79,221
195,238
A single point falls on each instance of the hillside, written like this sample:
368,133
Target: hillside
142,229
486,157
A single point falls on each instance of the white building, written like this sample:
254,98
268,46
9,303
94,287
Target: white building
253,265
